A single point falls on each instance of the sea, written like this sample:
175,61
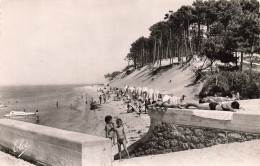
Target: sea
70,114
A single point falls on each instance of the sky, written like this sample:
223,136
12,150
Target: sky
72,41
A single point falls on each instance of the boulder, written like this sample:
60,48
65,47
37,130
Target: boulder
198,132
234,135
173,142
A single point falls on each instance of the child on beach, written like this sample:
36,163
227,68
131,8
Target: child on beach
121,138
109,128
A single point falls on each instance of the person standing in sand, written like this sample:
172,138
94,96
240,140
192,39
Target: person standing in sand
100,98
37,116
57,104
147,103
121,137
104,97
109,128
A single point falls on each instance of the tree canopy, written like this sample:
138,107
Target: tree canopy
214,29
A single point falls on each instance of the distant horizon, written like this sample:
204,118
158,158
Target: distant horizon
87,84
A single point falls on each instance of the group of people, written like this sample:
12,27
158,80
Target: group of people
104,95
218,102
139,105
116,131
137,93
212,103
141,102
135,101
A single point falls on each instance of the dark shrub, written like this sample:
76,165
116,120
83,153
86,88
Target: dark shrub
128,72
226,81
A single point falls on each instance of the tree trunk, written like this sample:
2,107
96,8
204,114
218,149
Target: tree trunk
198,46
241,62
143,55
188,37
178,52
154,51
161,45
170,52
170,46
135,62
186,46
158,53
167,50
236,59
207,29
251,62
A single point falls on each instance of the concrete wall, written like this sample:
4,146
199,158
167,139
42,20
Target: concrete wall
51,146
240,122
167,138
173,130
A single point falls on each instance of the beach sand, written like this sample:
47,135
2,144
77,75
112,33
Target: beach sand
8,160
92,122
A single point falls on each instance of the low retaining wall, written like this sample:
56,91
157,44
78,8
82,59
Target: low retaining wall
175,130
240,122
43,145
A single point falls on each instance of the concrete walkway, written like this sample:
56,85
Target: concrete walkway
234,154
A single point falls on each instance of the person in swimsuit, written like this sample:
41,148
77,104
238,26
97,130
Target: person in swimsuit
100,99
121,138
228,106
165,104
109,128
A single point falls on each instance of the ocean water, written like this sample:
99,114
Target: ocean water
67,116
32,98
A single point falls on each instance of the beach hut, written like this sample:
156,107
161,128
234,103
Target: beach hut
145,92
156,95
166,98
131,89
139,90
175,100
125,88
145,89
151,93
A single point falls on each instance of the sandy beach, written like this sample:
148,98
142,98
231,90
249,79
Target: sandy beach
92,122
135,126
